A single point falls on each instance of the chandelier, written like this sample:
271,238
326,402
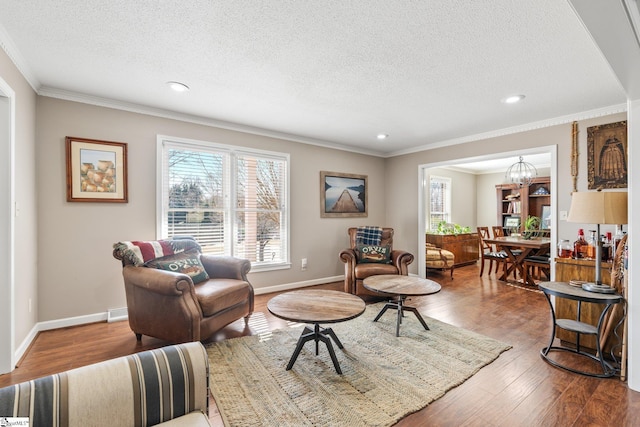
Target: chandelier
521,173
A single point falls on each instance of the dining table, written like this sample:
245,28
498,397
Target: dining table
517,249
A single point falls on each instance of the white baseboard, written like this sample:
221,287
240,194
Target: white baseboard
296,285
119,314
24,346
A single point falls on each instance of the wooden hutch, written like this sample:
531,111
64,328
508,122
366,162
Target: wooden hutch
516,203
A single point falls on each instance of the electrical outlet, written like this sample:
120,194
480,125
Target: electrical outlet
563,215
303,264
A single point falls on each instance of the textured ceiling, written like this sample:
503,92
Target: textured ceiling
330,72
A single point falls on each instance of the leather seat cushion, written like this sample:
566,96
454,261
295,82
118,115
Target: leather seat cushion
363,271
215,295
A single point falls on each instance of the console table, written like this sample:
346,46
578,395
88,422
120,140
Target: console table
566,291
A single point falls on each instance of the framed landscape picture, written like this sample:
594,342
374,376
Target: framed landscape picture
343,195
96,170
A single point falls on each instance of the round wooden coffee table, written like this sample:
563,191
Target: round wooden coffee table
316,306
399,288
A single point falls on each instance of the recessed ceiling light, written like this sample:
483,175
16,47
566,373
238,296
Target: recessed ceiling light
178,87
513,99
382,136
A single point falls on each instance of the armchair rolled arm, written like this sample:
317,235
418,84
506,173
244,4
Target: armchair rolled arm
348,256
401,259
226,267
159,281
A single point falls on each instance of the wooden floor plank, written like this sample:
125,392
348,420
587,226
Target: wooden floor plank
519,388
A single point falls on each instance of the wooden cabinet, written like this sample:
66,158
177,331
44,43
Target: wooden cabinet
464,246
581,269
519,203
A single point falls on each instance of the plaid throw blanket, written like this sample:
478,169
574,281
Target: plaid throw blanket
369,235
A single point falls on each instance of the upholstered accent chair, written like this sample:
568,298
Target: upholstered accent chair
177,294
439,259
355,270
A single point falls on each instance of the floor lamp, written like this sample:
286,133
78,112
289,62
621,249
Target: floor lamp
598,207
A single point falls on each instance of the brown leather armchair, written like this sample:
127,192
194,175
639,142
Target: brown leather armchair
167,305
355,273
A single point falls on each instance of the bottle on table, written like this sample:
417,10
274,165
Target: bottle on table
607,253
591,245
580,245
565,249
617,238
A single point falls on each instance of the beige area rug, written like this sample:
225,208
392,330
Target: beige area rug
384,377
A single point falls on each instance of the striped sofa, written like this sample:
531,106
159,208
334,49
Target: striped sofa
169,385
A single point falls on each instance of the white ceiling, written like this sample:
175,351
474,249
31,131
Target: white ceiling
334,73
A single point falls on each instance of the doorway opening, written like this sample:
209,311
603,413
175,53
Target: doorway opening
478,206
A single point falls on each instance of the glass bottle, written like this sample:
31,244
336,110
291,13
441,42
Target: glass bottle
591,245
565,249
616,238
607,252
580,245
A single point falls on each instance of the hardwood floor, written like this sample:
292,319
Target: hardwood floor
518,389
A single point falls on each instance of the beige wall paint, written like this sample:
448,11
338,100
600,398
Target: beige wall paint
79,276
402,172
26,168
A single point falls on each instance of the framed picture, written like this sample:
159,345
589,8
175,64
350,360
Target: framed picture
545,217
343,195
96,170
512,222
607,156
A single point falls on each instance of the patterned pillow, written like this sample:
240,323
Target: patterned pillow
139,252
374,254
187,262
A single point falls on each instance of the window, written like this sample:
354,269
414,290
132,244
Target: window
233,201
440,201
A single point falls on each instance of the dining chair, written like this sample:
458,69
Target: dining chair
498,231
487,252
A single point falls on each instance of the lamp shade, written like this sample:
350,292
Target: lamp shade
598,207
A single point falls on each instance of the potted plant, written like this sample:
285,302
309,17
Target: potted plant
531,227
446,228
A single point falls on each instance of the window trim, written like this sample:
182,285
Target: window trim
164,141
449,183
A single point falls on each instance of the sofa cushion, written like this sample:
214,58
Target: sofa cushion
362,271
215,295
374,254
185,262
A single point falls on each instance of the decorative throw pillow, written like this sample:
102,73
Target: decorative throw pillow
187,262
374,254
139,252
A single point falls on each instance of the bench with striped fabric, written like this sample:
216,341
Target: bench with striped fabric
167,385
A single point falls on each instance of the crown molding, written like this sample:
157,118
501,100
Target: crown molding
10,48
570,118
168,114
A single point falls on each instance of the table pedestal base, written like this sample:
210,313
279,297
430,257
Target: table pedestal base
399,305
317,334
